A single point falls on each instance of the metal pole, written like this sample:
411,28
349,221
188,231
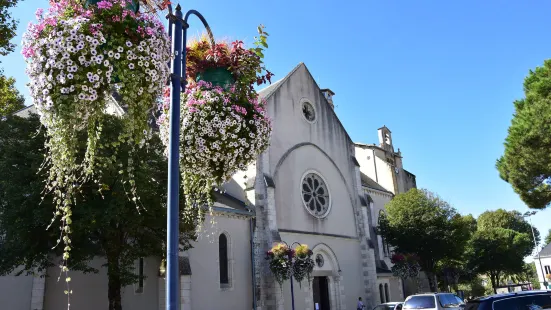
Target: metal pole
292,286
292,293
172,274
539,259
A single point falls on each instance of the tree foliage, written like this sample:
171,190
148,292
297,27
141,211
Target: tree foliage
419,222
526,162
8,25
10,98
105,224
547,239
508,219
527,274
498,247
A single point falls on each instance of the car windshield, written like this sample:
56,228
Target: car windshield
384,307
420,302
449,300
533,301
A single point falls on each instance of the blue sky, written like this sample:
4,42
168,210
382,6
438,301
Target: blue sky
442,75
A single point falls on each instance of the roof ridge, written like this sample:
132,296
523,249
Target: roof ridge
271,89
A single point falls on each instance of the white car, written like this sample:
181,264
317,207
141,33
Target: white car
434,301
389,306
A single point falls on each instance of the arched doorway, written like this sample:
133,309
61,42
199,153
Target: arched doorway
326,283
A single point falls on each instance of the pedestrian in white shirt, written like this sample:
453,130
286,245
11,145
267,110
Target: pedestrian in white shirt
361,305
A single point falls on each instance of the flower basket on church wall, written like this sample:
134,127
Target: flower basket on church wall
303,264
280,259
224,124
78,54
405,265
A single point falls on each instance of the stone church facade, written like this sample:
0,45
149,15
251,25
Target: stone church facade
313,186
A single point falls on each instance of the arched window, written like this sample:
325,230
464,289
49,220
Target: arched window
223,258
386,293
381,296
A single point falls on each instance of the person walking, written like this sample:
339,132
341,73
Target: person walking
361,305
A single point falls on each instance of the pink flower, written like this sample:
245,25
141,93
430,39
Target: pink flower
52,21
27,51
105,4
39,13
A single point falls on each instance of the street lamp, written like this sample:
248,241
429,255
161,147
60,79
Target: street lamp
529,215
177,30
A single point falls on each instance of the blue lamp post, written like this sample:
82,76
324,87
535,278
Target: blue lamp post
177,29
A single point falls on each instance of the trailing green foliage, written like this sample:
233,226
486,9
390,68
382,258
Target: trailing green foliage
106,224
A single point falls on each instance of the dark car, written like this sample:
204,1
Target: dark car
527,300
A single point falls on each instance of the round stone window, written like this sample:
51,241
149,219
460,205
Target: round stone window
315,195
319,260
308,111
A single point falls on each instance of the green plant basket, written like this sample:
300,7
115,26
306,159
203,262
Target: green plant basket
134,6
217,76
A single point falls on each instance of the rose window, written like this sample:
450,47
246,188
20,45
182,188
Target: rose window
308,111
315,195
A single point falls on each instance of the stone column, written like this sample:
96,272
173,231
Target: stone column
162,293
37,294
309,299
369,272
185,292
342,295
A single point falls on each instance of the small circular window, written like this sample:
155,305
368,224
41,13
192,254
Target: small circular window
308,111
319,260
315,195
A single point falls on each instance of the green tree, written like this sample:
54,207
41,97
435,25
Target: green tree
8,25
528,274
473,288
547,239
421,223
105,224
498,247
510,220
526,162
10,98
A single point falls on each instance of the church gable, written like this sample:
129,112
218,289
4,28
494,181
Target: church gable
301,113
309,151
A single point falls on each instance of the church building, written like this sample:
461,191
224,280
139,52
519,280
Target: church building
312,186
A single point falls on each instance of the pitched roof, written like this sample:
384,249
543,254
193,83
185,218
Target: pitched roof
368,182
265,93
546,251
270,90
25,111
230,204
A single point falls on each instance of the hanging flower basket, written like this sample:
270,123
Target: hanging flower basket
78,54
224,122
280,259
221,77
405,265
303,264
131,5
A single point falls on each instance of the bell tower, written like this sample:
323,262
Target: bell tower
385,139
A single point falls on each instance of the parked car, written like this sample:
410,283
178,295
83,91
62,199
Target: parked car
389,306
529,300
434,301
